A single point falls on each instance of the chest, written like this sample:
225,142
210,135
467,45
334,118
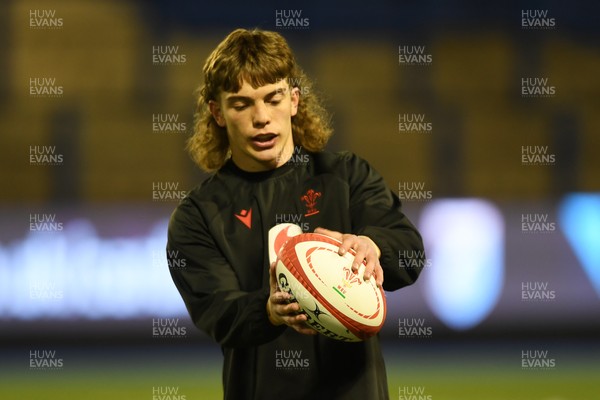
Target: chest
308,202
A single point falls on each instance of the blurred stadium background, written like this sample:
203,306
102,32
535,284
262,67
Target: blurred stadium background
508,304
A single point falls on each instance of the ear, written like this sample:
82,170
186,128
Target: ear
295,97
215,110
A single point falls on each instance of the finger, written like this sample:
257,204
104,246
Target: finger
285,309
296,318
327,232
280,298
359,257
379,275
349,241
272,278
291,309
336,235
302,327
292,320
370,266
305,330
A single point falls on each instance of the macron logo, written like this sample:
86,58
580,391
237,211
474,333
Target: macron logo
246,217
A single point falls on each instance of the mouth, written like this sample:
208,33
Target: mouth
264,140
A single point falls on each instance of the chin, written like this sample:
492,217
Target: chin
267,156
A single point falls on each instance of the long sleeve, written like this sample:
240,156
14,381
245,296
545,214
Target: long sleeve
217,237
376,212
209,286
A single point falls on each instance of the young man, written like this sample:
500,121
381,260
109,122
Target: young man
260,127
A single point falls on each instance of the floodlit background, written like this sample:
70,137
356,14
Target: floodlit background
482,117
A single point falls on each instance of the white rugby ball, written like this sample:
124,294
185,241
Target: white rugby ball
339,303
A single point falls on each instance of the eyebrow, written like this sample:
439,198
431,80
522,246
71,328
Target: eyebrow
234,98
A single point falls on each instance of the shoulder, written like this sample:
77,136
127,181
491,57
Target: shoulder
334,160
344,164
199,204
219,189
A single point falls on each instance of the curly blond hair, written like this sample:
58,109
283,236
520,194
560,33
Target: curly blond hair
260,58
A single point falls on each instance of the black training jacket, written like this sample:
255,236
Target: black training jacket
219,233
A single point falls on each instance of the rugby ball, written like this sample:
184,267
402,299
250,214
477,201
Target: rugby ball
339,303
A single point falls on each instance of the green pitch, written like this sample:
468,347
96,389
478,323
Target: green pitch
421,373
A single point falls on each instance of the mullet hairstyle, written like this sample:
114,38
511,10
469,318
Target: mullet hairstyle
260,58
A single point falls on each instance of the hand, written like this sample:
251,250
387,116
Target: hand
365,249
281,311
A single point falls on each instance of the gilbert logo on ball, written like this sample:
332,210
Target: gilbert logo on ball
338,302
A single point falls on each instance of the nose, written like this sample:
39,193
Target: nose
261,115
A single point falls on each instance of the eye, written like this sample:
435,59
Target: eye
276,99
239,106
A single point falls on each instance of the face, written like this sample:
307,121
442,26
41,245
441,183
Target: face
258,123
